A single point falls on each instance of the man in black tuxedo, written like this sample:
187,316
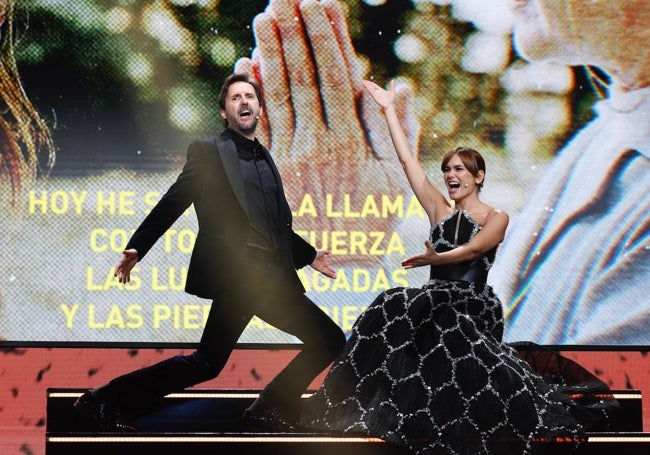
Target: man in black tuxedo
244,259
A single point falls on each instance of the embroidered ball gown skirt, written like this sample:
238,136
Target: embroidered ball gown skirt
426,368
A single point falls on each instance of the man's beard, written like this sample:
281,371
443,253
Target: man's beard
247,129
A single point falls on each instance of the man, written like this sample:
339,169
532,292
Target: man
244,259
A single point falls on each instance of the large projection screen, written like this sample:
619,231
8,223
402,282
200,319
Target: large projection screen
99,100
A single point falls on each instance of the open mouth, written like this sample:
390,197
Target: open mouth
453,185
245,113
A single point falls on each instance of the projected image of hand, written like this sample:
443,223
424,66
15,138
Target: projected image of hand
328,136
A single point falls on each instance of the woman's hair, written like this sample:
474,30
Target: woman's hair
237,77
471,158
26,146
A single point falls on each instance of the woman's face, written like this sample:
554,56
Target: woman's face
579,32
459,180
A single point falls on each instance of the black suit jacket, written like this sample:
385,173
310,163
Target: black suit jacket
211,180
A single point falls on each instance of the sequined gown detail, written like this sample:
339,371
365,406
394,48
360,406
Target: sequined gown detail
426,368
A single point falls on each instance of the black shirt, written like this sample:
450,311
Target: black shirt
261,192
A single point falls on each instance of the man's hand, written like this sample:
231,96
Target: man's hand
320,264
326,133
123,268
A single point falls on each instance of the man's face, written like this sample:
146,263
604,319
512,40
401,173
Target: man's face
242,110
577,32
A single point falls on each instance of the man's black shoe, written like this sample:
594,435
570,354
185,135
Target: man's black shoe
268,420
103,414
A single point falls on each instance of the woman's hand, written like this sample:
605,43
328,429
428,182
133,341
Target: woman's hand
383,98
429,257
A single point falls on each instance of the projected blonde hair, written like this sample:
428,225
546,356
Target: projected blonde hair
26,146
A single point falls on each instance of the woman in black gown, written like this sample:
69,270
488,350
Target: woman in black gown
426,367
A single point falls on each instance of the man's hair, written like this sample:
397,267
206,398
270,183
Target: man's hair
238,77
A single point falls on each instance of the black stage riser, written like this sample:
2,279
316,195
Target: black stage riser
210,410
208,422
224,448
101,446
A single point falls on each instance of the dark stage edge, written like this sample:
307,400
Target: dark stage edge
208,421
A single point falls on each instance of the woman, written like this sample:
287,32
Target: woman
426,367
